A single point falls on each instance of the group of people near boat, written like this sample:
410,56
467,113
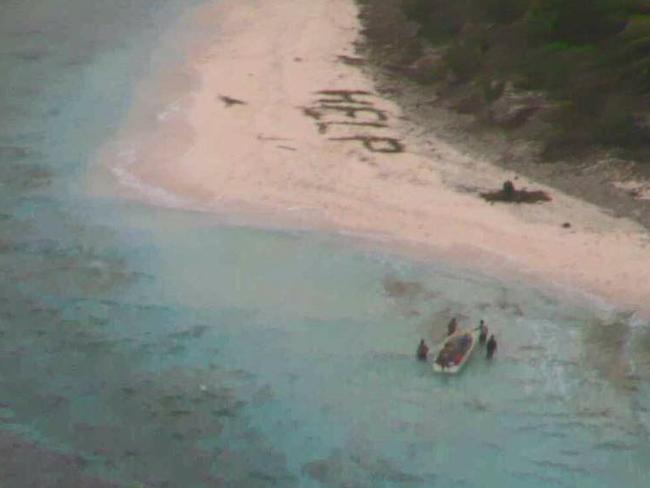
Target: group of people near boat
458,348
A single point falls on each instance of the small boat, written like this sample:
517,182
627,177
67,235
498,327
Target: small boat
455,351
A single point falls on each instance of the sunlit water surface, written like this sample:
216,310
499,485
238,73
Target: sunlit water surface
159,348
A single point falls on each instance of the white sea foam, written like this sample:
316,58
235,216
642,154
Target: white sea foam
121,169
172,109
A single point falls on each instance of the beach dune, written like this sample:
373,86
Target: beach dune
276,119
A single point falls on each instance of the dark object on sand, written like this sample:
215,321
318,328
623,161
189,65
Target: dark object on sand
229,101
423,351
491,347
511,195
352,61
508,190
566,225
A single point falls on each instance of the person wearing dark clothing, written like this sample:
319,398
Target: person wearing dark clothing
509,191
483,333
491,347
444,357
452,326
423,351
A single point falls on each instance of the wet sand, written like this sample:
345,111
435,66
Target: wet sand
273,121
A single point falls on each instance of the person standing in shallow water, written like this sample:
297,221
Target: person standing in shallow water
491,347
452,326
483,333
423,351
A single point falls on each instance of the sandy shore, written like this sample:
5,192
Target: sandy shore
272,118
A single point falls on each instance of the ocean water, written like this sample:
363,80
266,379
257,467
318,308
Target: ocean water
155,347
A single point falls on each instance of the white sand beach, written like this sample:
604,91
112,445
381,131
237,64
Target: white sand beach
267,120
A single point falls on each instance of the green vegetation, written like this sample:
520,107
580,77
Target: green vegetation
590,57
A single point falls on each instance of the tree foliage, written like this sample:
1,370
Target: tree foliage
584,53
577,21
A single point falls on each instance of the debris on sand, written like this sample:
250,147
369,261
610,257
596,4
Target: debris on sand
352,61
310,112
229,101
510,194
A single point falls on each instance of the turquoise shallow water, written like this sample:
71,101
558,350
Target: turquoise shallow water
155,347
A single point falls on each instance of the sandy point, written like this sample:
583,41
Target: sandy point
274,115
